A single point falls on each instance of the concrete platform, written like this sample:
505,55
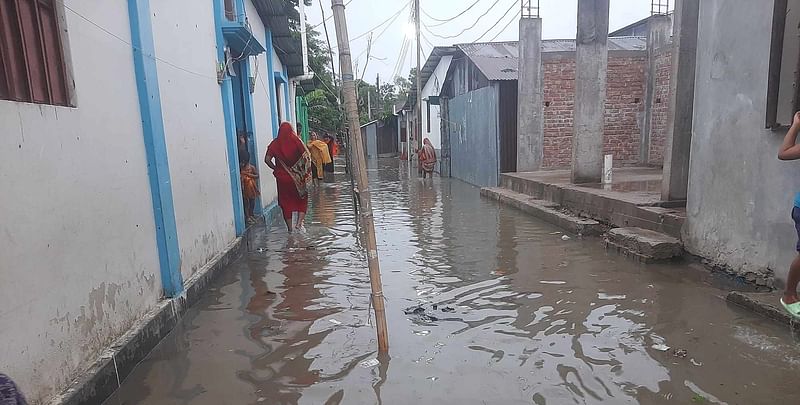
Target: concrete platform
633,200
766,304
545,210
643,244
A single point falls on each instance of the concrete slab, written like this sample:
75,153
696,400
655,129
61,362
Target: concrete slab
766,304
545,210
644,244
633,200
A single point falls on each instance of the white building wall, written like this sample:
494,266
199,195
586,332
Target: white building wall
740,195
78,258
194,126
262,108
432,88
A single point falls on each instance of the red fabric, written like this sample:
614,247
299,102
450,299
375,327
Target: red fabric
288,148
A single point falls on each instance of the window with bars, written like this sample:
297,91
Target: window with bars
32,67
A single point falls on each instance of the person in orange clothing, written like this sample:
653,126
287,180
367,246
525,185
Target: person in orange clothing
333,149
249,176
320,156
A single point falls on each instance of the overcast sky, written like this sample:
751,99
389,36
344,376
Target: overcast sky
558,19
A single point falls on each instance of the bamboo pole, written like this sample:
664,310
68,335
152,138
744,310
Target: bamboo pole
360,172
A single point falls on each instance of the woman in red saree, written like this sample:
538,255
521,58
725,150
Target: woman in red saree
292,170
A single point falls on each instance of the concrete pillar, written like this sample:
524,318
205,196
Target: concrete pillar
659,29
591,67
530,100
681,101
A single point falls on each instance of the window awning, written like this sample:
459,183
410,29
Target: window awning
240,40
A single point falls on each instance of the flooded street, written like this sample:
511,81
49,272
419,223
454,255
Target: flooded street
521,317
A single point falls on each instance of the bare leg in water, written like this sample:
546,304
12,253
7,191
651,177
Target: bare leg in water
790,295
288,221
301,217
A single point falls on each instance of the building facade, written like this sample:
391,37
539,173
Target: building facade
120,171
740,195
480,97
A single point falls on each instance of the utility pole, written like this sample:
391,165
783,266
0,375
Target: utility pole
369,104
360,171
418,127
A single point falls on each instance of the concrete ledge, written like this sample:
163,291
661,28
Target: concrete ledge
544,210
643,244
117,362
620,209
765,304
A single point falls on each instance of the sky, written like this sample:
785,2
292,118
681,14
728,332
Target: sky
363,16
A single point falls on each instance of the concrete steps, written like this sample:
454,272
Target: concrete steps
617,209
544,210
643,244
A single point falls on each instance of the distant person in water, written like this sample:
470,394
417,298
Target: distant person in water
790,150
333,149
320,156
427,158
292,170
9,393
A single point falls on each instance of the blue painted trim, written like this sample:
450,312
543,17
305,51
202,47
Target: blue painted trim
273,106
226,93
155,145
241,15
250,122
288,107
240,39
280,77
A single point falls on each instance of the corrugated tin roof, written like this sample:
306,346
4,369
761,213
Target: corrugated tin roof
499,60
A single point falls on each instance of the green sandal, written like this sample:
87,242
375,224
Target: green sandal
793,309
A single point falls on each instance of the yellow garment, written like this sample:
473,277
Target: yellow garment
319,155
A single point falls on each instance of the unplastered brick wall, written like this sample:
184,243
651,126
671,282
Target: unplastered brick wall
660,110
624,107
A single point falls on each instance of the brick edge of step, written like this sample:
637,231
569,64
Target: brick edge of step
544,210
644,245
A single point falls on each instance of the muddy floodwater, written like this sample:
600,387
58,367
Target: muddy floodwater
521,316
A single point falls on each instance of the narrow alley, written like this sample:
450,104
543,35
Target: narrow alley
512,311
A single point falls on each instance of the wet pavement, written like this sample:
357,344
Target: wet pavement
522,317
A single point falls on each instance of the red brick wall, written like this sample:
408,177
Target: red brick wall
660,110
624,105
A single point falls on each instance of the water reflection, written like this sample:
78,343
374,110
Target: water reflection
515,315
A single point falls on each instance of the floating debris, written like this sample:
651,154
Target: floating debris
422,332
369,363
661,347
565,237
695,362
680,353
334,321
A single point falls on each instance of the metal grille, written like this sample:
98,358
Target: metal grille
659,7
32,65
530,8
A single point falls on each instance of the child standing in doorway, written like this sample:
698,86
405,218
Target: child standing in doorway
790,150
250,191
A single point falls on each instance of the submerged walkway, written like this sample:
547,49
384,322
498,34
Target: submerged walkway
522,317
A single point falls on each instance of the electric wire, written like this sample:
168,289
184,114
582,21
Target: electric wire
325,19
126,42
513,4
474,23
369,31
446,20
514,18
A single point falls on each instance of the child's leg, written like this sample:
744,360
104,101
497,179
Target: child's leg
790,294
